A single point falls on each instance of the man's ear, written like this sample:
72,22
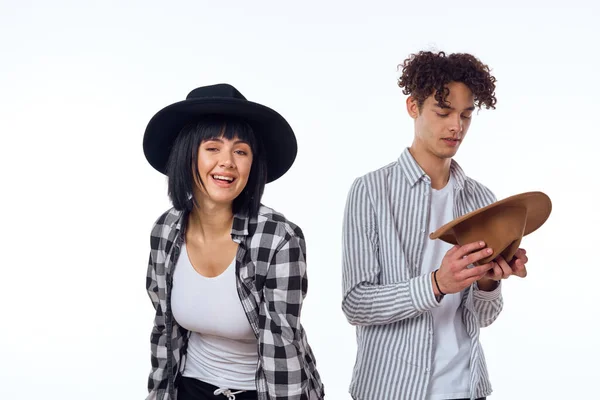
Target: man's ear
412,106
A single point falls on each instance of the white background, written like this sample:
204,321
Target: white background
80,80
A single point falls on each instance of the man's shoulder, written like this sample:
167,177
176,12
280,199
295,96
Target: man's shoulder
480,193
376,177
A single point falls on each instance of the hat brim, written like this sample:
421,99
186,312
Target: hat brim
538,207
270,127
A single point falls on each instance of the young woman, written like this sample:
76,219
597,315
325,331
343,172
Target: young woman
227,275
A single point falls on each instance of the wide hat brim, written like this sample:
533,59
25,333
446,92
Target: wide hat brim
270,127
536,205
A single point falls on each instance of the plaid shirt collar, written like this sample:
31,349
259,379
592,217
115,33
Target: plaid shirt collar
239,228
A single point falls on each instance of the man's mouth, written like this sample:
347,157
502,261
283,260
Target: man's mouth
451,142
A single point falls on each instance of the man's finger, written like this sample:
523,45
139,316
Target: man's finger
520,253
495,273
506,270
519,269
476,271
469,248
453,250
473,279
474,257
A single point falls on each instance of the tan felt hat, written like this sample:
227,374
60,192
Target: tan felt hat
501,225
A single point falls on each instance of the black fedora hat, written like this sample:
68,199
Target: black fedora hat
270,128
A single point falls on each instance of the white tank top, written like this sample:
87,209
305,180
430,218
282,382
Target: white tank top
222,348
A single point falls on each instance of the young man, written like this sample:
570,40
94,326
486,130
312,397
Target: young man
418,304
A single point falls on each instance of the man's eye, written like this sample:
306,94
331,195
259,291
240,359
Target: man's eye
442,115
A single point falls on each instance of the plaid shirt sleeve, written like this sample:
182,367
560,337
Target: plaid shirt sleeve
280,338
157,380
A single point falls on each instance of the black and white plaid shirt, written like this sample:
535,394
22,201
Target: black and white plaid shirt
271,283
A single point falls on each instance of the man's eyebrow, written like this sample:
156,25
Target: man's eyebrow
447,107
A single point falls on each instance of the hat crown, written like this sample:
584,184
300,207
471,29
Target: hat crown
501,228
221,90
273,131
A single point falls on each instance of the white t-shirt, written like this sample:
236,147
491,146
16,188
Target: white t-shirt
452,345
222,349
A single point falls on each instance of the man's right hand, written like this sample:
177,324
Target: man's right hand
453,275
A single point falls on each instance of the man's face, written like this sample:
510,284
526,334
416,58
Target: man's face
439,128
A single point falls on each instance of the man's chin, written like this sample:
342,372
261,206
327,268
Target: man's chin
447,154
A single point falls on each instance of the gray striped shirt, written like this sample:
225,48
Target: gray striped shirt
386,294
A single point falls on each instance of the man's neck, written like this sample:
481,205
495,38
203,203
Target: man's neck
438,169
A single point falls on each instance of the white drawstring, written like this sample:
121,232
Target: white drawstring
226,392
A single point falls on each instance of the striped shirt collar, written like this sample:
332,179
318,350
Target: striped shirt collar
414,173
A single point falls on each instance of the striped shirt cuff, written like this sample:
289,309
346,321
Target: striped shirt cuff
421,293
487,296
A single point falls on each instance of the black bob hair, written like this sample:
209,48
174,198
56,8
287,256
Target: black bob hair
182,166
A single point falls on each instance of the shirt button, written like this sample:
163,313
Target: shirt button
422,230
426,369
431,332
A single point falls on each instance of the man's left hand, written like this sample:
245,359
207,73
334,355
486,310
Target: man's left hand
504,269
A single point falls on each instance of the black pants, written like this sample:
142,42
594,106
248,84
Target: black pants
193,389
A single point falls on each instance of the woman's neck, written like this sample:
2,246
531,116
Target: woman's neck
210,221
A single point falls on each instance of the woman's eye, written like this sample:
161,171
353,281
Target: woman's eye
211,149
241,152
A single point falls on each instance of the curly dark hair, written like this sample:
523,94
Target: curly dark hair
426,73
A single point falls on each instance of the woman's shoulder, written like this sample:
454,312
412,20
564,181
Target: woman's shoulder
166,222
269,221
